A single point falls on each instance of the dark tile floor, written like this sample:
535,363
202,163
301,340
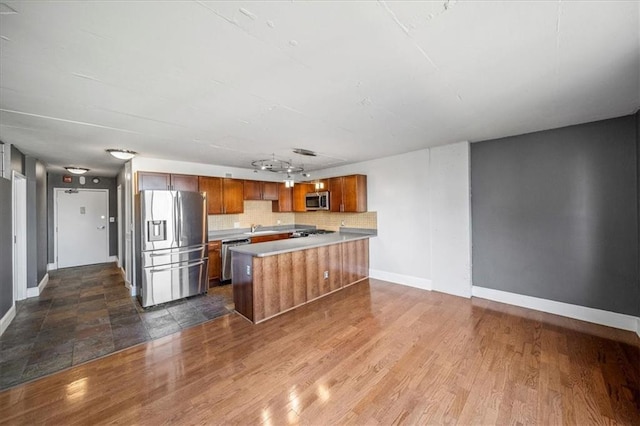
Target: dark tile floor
87,312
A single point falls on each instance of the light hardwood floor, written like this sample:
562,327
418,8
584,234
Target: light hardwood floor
374,353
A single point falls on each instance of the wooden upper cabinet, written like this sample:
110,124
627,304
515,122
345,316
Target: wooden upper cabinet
258,190
348,194
285,200
233,198
335,194
354,193
184,183
212,186
153,181
252,190
270,190
160,181
300,191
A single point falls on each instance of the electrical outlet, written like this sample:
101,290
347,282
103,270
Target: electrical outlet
236,224
248,269
278,222
342,223
326,275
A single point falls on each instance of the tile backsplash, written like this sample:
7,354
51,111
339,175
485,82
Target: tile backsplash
333,221
255,213
259,212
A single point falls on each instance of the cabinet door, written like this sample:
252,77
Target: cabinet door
252,190
266,238
184,183
354,193
270,191
149,180
300,191
213,188
335,194
233,197
285,200
215,261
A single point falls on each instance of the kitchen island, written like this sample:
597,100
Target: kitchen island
274,277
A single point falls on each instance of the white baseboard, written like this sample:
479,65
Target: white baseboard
113,258
52,266
583,313
407,280
7,318
37,291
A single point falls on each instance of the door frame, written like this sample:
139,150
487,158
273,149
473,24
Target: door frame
119,219
19,227
56,191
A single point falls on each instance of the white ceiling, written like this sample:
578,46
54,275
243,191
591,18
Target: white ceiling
228,82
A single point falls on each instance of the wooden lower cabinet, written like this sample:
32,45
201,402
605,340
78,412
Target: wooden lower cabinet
215,262
267,238
264,287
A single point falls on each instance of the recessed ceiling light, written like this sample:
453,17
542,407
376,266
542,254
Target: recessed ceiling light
77,170
122,154
6,10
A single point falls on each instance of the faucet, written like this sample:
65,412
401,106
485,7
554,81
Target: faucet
254,227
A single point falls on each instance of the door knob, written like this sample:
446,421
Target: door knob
101,227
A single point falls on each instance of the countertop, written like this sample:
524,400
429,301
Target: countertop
294,244
242,233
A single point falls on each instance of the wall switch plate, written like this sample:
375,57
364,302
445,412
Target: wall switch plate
326,275
278,222
112,219
236,224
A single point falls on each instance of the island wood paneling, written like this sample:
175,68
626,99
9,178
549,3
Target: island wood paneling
281,282
312,278
299,274
242,285
277,289
355,261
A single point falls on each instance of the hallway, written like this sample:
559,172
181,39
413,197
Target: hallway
85,313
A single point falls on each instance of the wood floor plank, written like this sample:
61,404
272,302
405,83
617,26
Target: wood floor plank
373,353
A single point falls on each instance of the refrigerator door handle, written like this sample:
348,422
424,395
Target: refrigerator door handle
175,252
178,267
179,205
176,234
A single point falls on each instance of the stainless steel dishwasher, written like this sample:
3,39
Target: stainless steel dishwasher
226,255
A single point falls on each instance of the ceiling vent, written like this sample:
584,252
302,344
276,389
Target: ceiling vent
303,151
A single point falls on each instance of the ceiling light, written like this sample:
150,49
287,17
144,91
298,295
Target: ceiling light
277,166
122,154
77,170
303,151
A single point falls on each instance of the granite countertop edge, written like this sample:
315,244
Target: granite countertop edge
272,248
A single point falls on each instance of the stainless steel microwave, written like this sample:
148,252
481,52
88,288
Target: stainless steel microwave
317,201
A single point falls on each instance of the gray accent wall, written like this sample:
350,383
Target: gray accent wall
6,246
555,215
55,181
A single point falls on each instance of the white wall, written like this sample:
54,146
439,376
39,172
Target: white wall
451,219
398,190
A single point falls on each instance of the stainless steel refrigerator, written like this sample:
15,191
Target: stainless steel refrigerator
173,260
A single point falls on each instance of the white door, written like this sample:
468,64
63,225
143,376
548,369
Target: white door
82,227
19,236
